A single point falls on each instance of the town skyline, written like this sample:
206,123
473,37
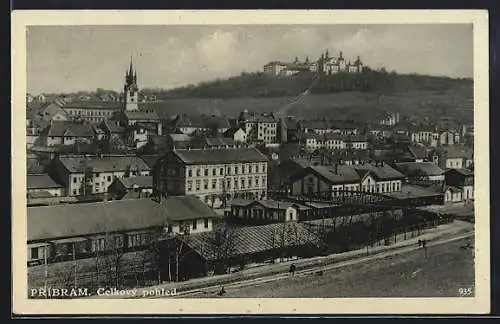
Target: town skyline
71,59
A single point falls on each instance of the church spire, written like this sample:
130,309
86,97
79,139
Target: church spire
131,69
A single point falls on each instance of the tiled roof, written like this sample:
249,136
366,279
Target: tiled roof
418,152
381,172
150,160
104,164
109,105
41,181
33,166
220,156
456,151
231,131
255,239
65,128
58,221
219,141
425,168
337,174
141,115
139,181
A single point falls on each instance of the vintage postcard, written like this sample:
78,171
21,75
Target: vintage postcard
250,162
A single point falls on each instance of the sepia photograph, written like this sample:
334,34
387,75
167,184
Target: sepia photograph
251,162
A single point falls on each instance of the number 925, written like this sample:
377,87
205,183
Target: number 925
465,292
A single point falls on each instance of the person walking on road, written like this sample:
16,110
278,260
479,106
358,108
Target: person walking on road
292,269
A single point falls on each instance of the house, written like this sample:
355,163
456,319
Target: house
67,133
190,124
139,125
422,173
453,195
259,211
453,157
237,134
131,187
54,111
86,175
388,119
112,128
462,179
324,181
259,128
205,142
79,231
449,137
425,135
418,153
379,177
331,141
35,124
92,111
357,142
214,175
43,184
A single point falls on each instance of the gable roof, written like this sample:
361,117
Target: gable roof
381,172
41,181
68,128
418,152
150,160
425,168
231,131
335,175
220,156
70,220
138,181
254,239
75,164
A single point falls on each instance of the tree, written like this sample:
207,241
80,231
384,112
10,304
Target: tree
221,244
108,253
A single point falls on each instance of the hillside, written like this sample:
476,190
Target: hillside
260,85
362,106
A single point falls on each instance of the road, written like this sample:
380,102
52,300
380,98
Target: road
447,268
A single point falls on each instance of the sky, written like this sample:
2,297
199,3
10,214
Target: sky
82,58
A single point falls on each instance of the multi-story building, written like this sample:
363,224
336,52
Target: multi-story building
42,183
462,179
453,157
334,141
291,68
259,128
83,175
67,133
332,65
92,111
422,173
214,175
388,119
330,181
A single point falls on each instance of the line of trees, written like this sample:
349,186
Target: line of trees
264,85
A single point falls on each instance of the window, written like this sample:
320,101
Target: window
74,191
206,222
393,187
205,184
242,183
214,172
198,172
198,184
190,173
194,224
109,178
263,168
250,182
98,245
189,185
206,172
214,184
251,168
34,253
221,171
236,170
74,180
256,181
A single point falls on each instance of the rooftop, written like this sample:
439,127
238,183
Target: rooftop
136,182
41,181
71,220
76,164
220,156
419,168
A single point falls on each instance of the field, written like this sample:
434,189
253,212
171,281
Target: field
362,106
447,269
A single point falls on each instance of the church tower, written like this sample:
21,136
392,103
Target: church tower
130,90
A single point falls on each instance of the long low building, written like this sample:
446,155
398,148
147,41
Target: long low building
59,232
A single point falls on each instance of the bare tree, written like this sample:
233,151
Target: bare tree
221,244
108,253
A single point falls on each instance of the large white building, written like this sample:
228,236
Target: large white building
214,175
